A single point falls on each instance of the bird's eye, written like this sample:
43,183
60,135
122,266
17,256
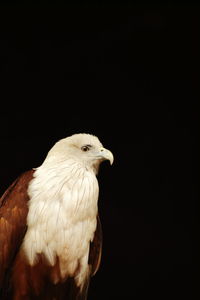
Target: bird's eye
86,148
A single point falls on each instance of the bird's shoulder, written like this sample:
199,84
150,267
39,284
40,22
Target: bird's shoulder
13,213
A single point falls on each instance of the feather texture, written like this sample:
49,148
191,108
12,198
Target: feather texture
62,217
13,213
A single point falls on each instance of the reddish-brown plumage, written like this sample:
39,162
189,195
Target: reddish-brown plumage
13,213
19,280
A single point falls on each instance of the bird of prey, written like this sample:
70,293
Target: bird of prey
50,231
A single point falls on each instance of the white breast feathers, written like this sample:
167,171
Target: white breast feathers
62,216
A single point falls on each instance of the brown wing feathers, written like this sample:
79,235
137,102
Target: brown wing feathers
96,248
13,213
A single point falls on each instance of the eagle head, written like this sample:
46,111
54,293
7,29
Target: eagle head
85,149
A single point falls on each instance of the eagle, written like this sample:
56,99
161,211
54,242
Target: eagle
50,230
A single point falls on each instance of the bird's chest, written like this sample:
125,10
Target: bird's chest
61,222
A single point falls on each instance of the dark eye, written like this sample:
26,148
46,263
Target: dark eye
86,148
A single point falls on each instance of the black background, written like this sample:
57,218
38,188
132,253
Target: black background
128,74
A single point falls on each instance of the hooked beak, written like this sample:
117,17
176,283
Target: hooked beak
106,154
